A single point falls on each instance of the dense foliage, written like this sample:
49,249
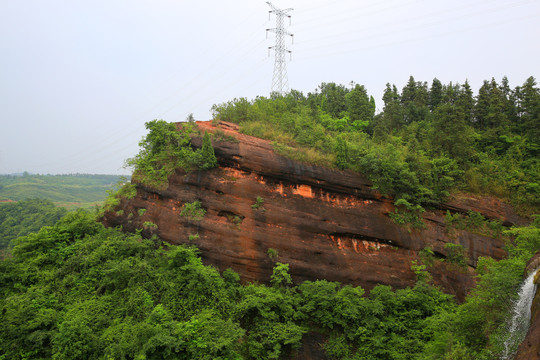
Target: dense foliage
25,217
78,290
70,191
426,142
166,149
478,327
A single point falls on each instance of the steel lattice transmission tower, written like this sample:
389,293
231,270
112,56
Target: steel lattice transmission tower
280,83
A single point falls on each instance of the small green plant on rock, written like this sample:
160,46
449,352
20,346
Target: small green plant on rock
149,225
237,220
421,272
272,253
427,256
259,201
408,214
127,190
220,135
473,222
122,190
455,221
456,254
475,219
193,211
111,202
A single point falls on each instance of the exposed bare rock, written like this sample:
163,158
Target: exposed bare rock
327,224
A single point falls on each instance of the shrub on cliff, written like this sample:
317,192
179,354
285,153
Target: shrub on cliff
193,211
165,149
209,160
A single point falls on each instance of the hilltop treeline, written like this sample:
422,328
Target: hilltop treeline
427,141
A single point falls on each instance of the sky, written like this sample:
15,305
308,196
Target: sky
79,78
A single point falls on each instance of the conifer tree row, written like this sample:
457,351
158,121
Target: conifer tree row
425,143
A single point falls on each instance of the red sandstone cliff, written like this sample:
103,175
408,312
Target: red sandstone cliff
326,224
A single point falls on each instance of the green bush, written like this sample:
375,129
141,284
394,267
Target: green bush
408,214
165,149
193,211
456,254
149,225
259,201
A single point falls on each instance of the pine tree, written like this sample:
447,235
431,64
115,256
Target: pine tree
435,94
358,105
450,93
452,134
209,160
392,116
409,91
497,117
415,98
481,107
465,101
390,95
529,109
334,96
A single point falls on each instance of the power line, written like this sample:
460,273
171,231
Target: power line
427,37
393,32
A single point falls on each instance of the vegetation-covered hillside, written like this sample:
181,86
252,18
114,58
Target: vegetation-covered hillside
25,217
76,290
426,142
71,191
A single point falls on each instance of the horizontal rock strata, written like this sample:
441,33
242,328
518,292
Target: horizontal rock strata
327,224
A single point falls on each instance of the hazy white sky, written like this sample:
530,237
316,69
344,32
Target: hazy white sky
78,79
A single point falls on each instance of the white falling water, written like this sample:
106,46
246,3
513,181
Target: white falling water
521,317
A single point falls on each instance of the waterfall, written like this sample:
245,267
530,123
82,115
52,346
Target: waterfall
521,317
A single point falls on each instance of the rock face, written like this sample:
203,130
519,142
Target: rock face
530,347
326,224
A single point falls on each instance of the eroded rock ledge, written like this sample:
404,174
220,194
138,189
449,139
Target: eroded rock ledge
326,224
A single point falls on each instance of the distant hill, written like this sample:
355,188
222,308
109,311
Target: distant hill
71,191
26,216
